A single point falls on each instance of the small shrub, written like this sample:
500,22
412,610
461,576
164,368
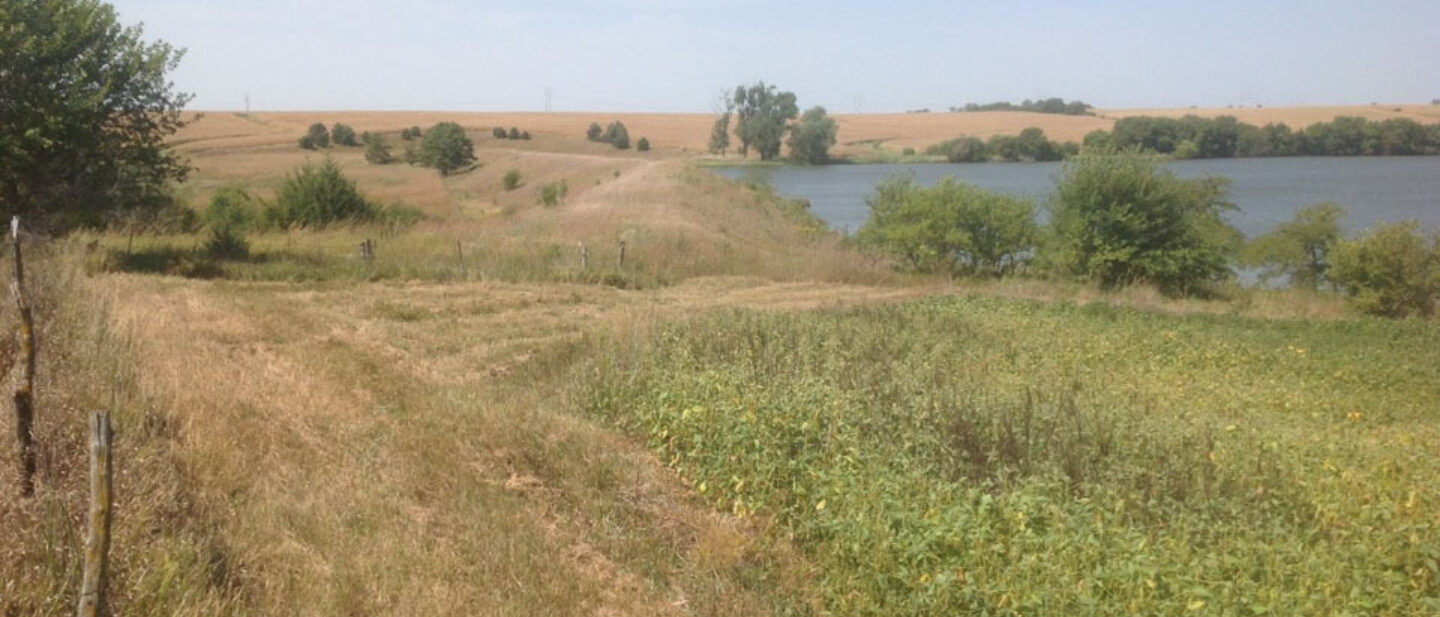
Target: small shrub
511,181
1391,270
307,143
319,135
553,193
343,135
400,215
514,133
413,132
230,214
376,150
525,135
908,152
594,133
616,135
643,145
499,133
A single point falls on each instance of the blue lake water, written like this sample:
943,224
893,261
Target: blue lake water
1267,191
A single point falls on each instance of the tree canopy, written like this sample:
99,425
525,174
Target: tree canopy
952,226
446,148
87,107
812,136
762,114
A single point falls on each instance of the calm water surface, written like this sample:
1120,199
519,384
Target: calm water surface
1267,191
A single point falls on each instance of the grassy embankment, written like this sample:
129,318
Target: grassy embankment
310,434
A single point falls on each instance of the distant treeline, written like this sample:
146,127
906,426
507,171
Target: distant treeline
1047,106
1030,145
1193,137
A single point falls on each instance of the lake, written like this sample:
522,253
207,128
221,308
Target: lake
1267,191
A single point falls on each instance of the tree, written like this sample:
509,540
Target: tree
316,196
410,133
616,135
514,133
594,133
1123,218
812,136
499,133
952,226
1390,271
376,150
446,148
319,135
643,145
761,115
230,213
343,135
85,108
961,150
720,134
1300,248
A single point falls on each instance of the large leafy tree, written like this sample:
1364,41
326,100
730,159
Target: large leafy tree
812,136
952,226
1299,249
86,107
446,148
761,115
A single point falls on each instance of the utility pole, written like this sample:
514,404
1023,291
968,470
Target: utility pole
247,103
549,94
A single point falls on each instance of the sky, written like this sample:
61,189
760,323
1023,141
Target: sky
681,55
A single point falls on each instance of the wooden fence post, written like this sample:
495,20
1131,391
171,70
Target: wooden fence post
622,255
367,250
97,540
25,389
584,257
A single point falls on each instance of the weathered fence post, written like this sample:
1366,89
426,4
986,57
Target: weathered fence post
25,389
584,257
97,540
622,255
367,250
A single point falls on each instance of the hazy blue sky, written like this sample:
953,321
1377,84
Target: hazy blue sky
678,55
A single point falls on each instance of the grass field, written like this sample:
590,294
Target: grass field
746,417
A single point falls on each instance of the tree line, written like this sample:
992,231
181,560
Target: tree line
1045,106
1193,137
1123,218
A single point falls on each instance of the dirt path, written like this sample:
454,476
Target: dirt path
384,449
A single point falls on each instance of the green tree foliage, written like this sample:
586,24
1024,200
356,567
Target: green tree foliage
1123,218
343,135
1195,137
761,114
595,132
318,135
306,142
1391,270
511,181
85,108
499,133
616,135
812,136
961,150
1047,106
1300,248
514,133
446,148
376,150
952,226
316,196
230,214
720,134
413,132
643,145
525,135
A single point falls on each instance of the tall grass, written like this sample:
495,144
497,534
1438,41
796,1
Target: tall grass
985,456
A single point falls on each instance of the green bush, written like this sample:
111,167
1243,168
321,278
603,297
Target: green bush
230,214
525,135
1124,218
376,150
643,145
446,148
950,227
316,196
616,135
1391,270
961,150
499,133
1299,249
553,193
594,133
400,215
514,133
307,143
812,136
511,181
319,135
413,132
343,135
